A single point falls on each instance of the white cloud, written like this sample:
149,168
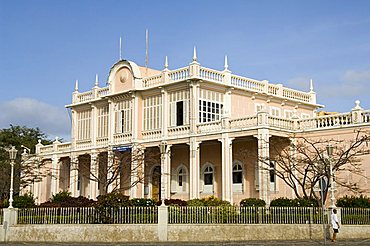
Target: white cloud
350,85
52,120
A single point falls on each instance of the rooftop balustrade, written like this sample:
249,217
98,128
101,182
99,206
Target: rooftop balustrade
207,74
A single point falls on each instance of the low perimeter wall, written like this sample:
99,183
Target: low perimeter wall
178,232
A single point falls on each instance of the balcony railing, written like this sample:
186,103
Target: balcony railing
238,124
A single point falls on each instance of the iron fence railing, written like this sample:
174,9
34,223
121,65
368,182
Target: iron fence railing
244,215
88,215
189,215
355,216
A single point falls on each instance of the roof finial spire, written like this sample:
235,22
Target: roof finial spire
311,85
76,85
96,80
166,63
120,48
195,54
226,66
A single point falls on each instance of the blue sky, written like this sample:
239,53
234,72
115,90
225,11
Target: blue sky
46,45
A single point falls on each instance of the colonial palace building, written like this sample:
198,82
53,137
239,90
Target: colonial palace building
186,133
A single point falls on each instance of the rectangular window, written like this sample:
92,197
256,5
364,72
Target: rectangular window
103,122
288,114
258,107
275,112
179,113
305,116
209,111
83,125
152,113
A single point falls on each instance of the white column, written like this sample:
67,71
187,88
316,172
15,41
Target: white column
165,169
227,166
134,179
263,159
112,185
168,172
194,169
94,173
73,176
55,174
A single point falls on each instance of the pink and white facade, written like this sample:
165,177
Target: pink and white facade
199,120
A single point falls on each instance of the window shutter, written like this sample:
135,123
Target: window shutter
173,113
186,112
173,181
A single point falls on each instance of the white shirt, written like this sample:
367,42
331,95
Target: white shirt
334,221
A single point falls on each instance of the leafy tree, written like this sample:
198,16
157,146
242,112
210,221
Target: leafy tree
19,136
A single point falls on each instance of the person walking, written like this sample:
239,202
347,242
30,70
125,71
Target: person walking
335,224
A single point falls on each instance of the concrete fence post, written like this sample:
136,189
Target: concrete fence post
162,222
9,219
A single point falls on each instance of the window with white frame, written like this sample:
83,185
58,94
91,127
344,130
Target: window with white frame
305,116
288,113
153,112
123,115
237,176
272,176
179,108
208,178
210,106
182,179
274,111
258,107
83,125
103,113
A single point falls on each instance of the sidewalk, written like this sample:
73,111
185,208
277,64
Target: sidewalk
245,243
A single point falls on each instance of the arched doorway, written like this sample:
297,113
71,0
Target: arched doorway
156,183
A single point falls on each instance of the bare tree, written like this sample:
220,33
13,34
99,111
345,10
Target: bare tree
300,162
121,171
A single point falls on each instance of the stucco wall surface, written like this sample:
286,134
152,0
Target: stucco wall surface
242,232
82,233
190,232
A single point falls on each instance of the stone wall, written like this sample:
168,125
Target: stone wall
152,233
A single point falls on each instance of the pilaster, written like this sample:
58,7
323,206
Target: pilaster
165,114
194,95
135,116
94,124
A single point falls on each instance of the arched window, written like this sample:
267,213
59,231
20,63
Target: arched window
179,179
208,178
272,176
237,177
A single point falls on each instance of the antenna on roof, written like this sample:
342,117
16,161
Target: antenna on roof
120,48
146,50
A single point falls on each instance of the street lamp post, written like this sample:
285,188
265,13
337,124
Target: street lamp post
12,156
329,150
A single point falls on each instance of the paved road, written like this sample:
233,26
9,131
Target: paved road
360,242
